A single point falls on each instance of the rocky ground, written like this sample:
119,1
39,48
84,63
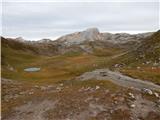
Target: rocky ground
118,78
77,100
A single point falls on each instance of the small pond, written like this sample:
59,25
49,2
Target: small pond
32,69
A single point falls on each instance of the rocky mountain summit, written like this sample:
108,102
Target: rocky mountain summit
90,34
93,34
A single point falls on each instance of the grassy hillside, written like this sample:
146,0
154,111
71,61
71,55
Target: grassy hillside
150,48
144,62
17,45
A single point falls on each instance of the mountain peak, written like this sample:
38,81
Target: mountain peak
92,30
90,34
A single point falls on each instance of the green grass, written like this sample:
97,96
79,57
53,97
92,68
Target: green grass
143,73
106,52
69,65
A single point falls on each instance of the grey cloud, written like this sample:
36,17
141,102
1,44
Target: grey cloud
39,20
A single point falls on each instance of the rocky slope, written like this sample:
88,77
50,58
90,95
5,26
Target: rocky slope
93,34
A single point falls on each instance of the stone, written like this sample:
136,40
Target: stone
116,65
97,87
88,88
132,106
43,88
31,93
148,62
148,91
11,68
131,96
36,86
156,95
22,93
138,67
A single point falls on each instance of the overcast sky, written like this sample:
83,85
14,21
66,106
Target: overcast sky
37,19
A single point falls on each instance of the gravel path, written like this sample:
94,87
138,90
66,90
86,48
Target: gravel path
118,78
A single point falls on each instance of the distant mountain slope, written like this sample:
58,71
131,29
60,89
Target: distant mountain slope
145,53
88,41
17,45
40,48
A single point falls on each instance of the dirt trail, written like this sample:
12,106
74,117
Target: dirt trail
118,78
118,55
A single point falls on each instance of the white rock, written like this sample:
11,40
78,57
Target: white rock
131,95
156,94
132,105
97,87
36,86
147,62
43,88
30,93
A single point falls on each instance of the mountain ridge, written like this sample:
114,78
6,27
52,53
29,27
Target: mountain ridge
86,41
